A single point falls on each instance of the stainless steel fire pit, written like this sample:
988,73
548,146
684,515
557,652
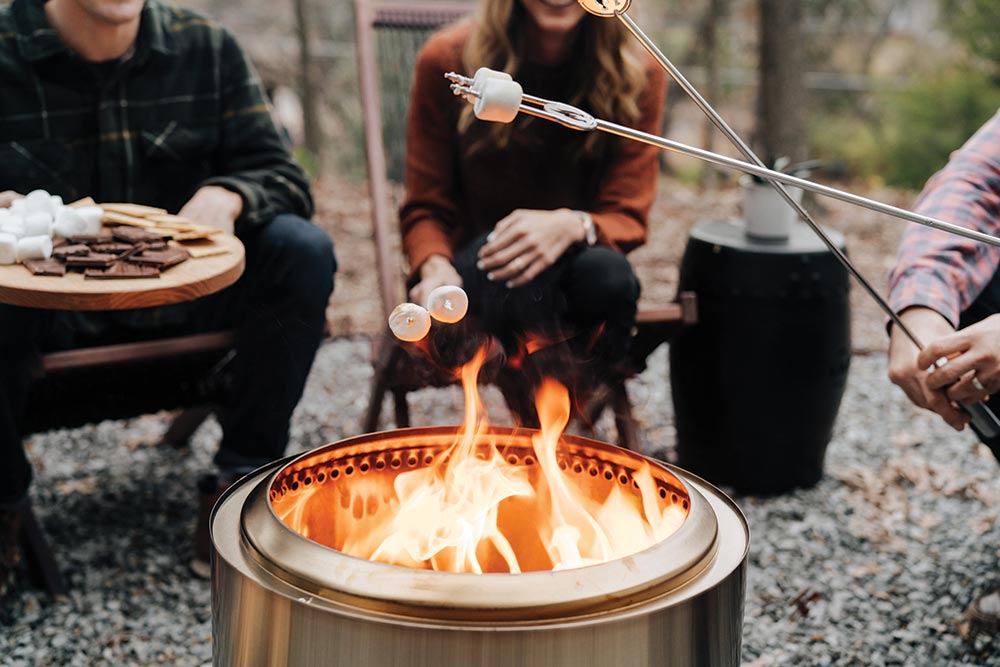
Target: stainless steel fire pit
282,598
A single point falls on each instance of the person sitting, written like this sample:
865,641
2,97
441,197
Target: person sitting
946,290
531,218
135,101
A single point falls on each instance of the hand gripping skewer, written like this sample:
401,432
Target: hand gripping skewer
982,417
497,98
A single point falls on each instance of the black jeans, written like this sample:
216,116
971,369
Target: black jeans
589,295
278,308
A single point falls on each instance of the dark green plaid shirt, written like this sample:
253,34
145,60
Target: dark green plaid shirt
184,109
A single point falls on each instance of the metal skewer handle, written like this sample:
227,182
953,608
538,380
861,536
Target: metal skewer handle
572,117
983,419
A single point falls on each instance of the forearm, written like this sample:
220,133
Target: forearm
941,270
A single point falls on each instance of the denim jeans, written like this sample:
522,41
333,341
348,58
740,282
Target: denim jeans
588,298
277,307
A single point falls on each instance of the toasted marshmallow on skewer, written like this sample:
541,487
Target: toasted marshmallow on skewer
448,304
409,322
484,73
498,101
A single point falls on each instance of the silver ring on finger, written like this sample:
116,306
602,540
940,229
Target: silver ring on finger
978,385
517,263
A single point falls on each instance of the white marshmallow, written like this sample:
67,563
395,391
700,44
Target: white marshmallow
19,206
57,203
448,304
70,223
8,248
484,73
91,216
34,247
38,224
409,322
13,225
39,201
499,102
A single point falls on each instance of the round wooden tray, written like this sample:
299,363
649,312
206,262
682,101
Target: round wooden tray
186,281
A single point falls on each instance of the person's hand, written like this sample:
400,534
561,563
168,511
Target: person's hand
973,368
7,197
436,271
911,376
214,206
527,242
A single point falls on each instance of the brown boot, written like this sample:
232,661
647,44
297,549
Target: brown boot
10,546
983,616
210,489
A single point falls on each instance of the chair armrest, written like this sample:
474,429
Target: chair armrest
130,352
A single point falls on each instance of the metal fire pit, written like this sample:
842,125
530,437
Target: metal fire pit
280,598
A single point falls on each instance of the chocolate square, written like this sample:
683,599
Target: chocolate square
123,270
45,267
113,247
161,258
78,249
91,238
93,260
136,234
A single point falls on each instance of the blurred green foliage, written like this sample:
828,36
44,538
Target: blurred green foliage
909,133
847,144
977,24
934,117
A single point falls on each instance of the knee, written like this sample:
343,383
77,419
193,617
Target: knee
306,256
604,283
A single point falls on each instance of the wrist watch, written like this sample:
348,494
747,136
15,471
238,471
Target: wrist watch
589,231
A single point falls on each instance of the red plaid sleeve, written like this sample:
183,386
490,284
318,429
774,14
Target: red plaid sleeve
940,270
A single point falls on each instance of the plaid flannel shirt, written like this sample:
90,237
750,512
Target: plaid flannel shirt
185,109
940,270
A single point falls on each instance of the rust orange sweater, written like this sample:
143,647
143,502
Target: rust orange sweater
459,185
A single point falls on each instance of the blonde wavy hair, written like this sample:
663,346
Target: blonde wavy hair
609,71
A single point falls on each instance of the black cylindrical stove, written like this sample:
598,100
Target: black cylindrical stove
757,382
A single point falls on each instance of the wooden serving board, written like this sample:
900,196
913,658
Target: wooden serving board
188,280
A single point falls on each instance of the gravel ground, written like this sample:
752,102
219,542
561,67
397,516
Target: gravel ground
874,566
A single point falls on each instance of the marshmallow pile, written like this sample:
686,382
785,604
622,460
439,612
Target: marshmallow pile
28,226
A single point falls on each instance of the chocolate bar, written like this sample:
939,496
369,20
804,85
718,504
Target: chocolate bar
160,258
135,235
90,238
123,270
112,247
93,260
70,249
45,267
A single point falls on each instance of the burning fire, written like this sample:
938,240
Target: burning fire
477,508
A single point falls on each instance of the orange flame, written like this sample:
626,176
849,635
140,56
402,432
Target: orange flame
473,510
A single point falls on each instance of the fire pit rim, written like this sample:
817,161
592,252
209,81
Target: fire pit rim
324,570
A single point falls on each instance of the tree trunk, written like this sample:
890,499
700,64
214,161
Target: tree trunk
307,88
782,105
709,38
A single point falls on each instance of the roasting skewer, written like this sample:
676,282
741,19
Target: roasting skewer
497,98
982,417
